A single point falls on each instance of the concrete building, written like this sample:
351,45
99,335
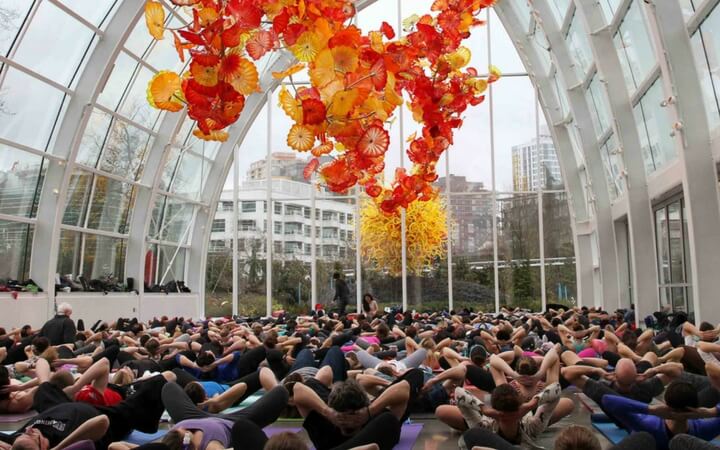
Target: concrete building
291,222
471,212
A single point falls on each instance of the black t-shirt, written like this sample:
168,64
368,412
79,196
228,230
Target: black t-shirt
320,389
645,390
60,421
48,396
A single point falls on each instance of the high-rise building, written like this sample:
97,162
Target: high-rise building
535,165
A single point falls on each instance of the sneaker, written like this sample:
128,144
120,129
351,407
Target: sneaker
550,394
469,406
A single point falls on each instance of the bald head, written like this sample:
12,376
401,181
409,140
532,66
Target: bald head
625,372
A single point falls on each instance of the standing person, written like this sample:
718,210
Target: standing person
342,293
61,328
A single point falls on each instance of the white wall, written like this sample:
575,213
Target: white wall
27,309
35,309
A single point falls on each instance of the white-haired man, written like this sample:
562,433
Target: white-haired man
61,328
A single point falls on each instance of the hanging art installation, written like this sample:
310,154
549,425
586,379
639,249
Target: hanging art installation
357,82
426,236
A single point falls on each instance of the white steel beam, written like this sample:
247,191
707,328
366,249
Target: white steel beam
591,150
639,213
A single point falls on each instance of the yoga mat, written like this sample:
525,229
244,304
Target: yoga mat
11,418
139,438
615,434
408,436
272,430
610,431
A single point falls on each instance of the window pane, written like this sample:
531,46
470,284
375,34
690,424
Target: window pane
560,275
93,257
111,205
472,252
579,47
28,109
21,177
95,12
125,150
94,138
190,176
166,266
661,231
109,208
519,250
609,8
503,49
612,166
658,126
598,107
57,54
675,231
706,44
76,202
12,16
125,91
514,116
633,45
15,250
171,219
647,153
559,9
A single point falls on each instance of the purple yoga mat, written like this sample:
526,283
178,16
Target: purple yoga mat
272,431
408,434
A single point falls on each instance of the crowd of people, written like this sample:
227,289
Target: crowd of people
499,380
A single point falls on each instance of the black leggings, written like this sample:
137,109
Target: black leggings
383,429
480,378
111,353
140,411
263,412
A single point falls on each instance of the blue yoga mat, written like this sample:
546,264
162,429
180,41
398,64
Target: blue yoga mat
615,434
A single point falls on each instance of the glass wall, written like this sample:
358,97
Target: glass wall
672,249
479,194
